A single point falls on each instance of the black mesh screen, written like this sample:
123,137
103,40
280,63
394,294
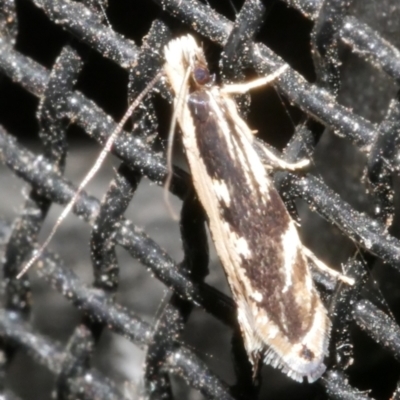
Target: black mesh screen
91,321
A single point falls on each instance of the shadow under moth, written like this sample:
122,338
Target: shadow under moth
281,317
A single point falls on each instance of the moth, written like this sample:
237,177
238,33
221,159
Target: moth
282,319
281,316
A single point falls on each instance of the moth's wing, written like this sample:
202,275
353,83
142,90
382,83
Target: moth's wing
279,309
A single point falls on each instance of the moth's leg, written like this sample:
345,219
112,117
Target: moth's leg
272,161
269,159
241,88
325,269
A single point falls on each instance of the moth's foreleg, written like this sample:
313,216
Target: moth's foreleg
241,88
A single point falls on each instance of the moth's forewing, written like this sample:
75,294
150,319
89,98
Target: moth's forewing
280,313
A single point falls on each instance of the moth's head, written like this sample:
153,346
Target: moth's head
201,75
182,54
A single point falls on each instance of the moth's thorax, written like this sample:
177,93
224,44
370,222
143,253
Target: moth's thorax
199,104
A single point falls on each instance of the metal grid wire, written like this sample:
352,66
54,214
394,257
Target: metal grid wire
365,340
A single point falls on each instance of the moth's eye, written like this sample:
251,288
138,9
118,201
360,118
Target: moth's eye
201,75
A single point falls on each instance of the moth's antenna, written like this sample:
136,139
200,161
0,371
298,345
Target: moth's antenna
106,149
178,104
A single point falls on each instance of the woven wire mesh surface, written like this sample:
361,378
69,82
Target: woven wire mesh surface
79,327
